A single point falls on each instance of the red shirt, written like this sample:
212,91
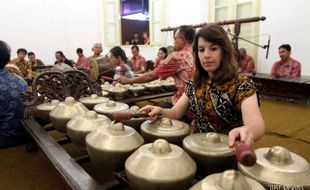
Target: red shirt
83,62
137,63
291,68
157,62
180,65
247,64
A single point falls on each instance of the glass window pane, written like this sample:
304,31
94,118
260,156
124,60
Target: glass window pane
243,1
156,32
244,10
111,12
111,34
156,11
220,3
221,14
245,30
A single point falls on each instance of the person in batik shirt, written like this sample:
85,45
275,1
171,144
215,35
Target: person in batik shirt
23,65
287,66
138,61
34,61
222,100
179,65
12,87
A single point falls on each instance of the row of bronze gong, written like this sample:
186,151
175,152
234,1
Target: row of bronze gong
150,152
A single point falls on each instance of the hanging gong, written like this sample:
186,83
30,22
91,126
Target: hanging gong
94,70
106,67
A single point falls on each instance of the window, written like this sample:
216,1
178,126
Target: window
124,18
134,22
236,9
111,22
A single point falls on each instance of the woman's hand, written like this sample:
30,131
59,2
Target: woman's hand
153,111
241,134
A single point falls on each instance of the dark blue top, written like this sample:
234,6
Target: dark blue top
11,105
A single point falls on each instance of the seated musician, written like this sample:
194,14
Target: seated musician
287,66
35,64
60,64
138,61
118,57
34,61
11,110
97,50
82,62
179,65
23,65
246,62
61,58
222,100
161,56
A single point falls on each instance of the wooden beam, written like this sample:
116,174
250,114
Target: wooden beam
224,22
72,174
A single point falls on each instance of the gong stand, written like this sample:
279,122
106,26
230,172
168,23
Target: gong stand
57,85
79,84
46,86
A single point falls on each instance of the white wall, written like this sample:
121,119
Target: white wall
182,12
45,26
287,22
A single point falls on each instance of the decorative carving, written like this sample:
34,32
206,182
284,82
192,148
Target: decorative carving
45,87
78,83
56,85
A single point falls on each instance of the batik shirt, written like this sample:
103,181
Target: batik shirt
37,62
291,68
218,109
24,66
180,66
157,62
11,109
